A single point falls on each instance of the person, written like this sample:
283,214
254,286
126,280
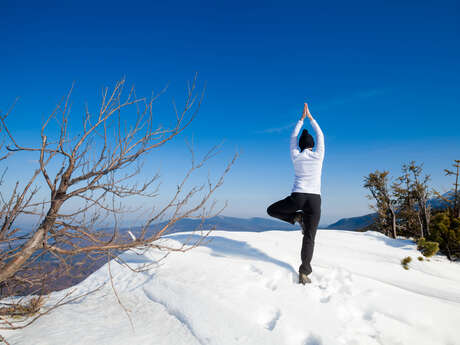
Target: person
304,204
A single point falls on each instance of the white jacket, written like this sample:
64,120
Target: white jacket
307,164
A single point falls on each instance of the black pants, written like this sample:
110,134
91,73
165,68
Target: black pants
286,209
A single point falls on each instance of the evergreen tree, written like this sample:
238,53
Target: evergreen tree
446,231
427,248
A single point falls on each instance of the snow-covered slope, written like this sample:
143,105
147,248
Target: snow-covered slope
241,288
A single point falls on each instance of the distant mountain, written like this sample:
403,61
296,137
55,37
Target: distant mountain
437,203
255,224
354,223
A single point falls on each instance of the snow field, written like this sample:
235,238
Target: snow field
241,288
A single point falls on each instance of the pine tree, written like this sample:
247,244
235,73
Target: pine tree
427,248
446,231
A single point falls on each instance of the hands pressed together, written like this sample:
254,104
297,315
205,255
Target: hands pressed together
306,112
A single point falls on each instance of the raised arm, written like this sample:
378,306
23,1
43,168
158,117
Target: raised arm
319,137
293,144
319,133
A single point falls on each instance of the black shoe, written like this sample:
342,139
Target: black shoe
303,279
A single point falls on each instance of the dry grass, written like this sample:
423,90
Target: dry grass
29,308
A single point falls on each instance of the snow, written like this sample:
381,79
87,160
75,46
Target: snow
241,288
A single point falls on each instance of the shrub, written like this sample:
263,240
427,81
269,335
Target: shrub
445,230
427,248
421,241
405,262
420,258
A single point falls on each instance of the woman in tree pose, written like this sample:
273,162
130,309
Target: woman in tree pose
304,204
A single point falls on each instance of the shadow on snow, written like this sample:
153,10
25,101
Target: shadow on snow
222,246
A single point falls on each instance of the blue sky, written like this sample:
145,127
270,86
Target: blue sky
382,79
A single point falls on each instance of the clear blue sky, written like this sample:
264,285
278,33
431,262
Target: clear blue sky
382,79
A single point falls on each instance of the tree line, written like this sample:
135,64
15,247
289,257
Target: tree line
404,207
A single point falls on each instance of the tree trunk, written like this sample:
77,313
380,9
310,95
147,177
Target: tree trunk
420,222
448,254
36,241
426,221
33,244
393,223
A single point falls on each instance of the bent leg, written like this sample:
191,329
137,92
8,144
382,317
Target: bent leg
312,215
284,209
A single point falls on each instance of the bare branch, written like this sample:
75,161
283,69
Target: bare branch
89,172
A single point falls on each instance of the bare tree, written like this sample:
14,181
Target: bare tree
377,183
94,165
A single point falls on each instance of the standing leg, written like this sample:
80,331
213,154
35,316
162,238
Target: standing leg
312,214
284,209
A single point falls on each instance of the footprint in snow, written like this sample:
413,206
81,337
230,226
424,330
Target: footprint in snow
337,285
255,269
271,284
269,318
336,282
313,340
